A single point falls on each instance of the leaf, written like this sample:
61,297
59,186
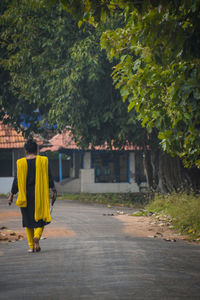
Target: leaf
124,91
80,23
130,106
123,57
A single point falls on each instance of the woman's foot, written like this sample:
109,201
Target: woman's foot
37,245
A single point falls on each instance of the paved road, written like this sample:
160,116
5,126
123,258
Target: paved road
99,262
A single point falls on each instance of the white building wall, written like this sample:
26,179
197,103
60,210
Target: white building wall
87,160
132,167
68,186
88,184
6,184
72,170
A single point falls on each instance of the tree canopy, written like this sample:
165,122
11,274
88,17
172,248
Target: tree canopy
51,68
157,70
19,113
59,71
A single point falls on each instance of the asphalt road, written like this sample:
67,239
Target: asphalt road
99,262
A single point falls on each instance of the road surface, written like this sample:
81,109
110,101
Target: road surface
88,256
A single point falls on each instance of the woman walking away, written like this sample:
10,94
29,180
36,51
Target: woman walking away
33,181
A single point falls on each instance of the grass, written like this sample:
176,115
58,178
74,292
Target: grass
137,200
4,195
182,209
129,199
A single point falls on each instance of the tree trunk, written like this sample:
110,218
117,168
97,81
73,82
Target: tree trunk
166,174
148,168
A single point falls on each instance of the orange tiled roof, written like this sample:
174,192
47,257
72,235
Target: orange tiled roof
9,138
65,140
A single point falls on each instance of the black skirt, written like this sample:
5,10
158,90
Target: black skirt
28,212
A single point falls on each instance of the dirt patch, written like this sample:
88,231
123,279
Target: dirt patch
6,214
148,227
51,231
7,235
56,232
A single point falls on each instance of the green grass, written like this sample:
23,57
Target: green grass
182,209
4,195
129,199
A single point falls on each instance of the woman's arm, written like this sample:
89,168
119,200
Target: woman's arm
52,186
10,199
14,190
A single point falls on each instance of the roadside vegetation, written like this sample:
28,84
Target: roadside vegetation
179,210
135,200
182,211
3,195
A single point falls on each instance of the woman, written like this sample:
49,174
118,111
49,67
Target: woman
33,181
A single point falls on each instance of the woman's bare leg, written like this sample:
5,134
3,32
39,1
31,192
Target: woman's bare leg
37,236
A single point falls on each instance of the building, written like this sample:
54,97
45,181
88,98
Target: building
11,149
97,170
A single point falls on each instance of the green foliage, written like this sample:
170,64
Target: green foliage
11,109
127,200
61,70
183,210
158,74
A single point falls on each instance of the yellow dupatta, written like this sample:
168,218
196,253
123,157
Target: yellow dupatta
22,169
42,211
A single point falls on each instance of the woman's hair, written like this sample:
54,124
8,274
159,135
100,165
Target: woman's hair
30,146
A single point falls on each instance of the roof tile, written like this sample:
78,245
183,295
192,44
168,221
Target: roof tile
65,140
9,138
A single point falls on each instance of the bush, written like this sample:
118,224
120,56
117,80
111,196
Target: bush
183,209
128,199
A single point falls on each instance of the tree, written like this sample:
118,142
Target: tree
57,68
12,111
158,69
61,71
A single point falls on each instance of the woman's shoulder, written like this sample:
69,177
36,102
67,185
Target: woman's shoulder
41,160
21,159
41,157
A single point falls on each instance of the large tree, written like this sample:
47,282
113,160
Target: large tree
157,46
22,114
61,71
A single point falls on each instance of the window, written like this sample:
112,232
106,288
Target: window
6,163
110,167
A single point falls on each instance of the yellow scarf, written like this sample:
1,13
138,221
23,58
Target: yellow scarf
42,211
